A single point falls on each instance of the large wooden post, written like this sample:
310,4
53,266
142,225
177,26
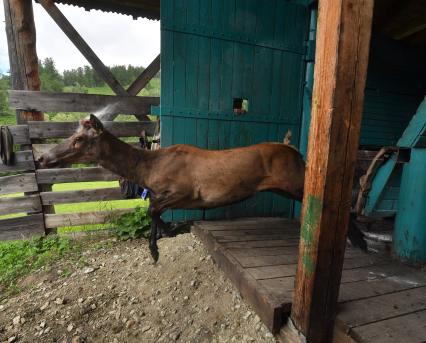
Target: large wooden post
343,38
21,39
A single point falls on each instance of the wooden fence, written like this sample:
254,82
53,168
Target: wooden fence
28,180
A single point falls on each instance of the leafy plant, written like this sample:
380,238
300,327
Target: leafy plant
133,225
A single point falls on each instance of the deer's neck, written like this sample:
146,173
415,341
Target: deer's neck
123,159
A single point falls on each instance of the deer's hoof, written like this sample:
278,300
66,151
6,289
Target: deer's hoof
154,253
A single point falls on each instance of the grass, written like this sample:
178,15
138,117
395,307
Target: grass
19,258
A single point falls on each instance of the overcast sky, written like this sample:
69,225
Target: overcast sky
115,38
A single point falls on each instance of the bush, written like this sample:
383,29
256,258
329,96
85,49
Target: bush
133,225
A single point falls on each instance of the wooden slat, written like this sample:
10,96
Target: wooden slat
78,102
66,129
18,183
20,134
22,227
23,161
40,149
82,46
29,203
83,218
248,238
66,197
362,312
262,243
66,175
341,60
410,328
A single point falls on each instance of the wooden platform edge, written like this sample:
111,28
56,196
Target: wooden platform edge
270,312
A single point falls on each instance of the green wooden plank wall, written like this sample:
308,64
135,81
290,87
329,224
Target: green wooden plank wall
396,85
215,50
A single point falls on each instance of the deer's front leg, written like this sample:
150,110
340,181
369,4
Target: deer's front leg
153,248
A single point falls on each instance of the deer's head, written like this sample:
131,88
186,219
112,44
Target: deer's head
82,147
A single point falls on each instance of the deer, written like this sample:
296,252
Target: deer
184,176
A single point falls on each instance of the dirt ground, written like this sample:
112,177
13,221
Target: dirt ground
120,296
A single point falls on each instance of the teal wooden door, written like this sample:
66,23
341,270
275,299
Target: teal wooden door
215,51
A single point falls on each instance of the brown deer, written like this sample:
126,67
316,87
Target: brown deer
184,176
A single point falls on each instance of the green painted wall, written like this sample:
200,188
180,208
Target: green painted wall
216,50
396,84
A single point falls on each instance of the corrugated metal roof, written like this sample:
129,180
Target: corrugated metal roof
136,8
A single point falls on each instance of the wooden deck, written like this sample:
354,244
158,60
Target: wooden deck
380,300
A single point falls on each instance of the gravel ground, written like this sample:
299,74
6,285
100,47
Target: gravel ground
120,296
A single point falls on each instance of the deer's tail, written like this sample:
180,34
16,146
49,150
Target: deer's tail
287,137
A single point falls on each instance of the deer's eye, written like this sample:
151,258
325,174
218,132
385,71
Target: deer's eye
78,139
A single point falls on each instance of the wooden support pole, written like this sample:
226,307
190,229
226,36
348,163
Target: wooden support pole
82,46
137,85
146,76
21,39
343,37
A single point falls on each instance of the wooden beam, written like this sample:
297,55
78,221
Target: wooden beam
66,129
21,227
82,46
143,79
77,102
24,204
66,175
83,195
83,218
18,183
23,161
341,60
21,39
137,85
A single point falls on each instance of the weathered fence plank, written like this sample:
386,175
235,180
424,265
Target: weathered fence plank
83,218
78,102
23,161
18,183
29,203
40,149
66,129
20,134
21,227
66,197
66,175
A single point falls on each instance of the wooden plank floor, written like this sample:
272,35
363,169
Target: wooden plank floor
380,299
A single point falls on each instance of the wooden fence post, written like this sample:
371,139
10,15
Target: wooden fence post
21,39
343,38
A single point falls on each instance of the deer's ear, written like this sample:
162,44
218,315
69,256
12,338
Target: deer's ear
96,123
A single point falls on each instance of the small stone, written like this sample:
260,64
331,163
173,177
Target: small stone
80,300
192,283
16,320
46,330
269,335
2,308
88,270
43,324
93,306
76,339
130,323
11,339
175,335
206,308
44,306
59,301
23,320
247,315
70,327
185,297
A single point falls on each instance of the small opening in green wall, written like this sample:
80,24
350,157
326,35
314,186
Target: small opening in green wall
240,106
